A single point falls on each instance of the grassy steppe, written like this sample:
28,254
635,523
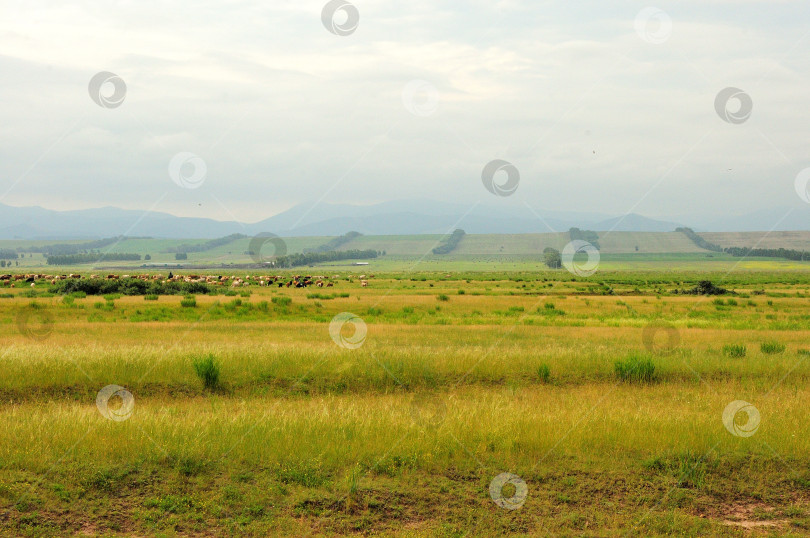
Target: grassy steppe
459,379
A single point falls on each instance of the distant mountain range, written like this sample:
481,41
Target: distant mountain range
400,217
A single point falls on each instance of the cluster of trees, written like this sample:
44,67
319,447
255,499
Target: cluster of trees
333,244
552,258
309,258
739,252
181,256
450,243
585,235
705,287
208,245
90,257
130,286
6,255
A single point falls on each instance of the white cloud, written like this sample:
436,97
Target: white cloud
281,110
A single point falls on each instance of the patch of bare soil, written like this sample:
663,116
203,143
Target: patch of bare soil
752,516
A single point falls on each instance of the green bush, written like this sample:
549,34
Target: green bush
734,350
150,297
771,348
281,300
188,302
207,370
442,297
544,373
635,369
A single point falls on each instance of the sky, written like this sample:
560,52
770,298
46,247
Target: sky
239,110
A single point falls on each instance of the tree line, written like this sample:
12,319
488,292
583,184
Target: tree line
334,243
73,248
309,258
208,245
450,243
742,252
90,257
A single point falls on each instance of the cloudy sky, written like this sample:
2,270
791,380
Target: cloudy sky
600,106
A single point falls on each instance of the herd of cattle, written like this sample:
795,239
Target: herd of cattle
296,281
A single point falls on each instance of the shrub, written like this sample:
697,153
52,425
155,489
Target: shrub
207,370
770,348
442,297
544,373
188,302
150,297
635,369
281,300
734,350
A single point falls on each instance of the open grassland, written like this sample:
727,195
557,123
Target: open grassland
461,376
476,252
527,244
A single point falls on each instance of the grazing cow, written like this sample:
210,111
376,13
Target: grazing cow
329,284
364,283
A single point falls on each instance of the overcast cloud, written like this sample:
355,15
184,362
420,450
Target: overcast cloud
282,111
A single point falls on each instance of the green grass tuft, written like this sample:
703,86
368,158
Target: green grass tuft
635,369
207,370
734,350
771,348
